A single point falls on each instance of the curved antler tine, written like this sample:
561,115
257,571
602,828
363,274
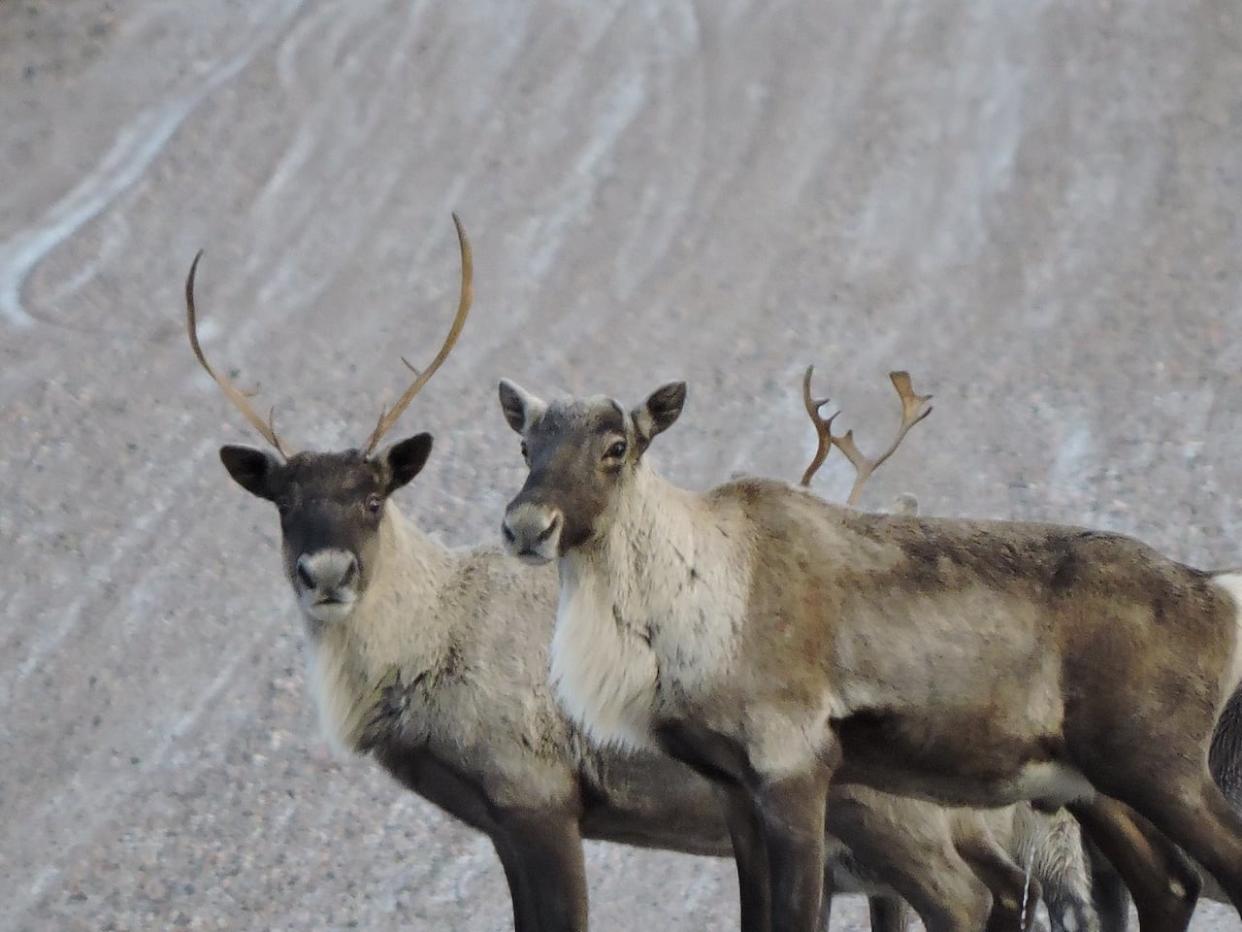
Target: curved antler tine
271,426
265,428
823,427
466,298
912,409
806,388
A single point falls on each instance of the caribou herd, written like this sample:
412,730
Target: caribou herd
958,718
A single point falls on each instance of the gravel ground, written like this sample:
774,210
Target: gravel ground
1033,207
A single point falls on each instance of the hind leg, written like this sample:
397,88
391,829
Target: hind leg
1195,814
1162,881
888,914
825,903
1014,895
907,845
1108,893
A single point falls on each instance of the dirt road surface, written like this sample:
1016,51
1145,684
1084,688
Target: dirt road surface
1036,208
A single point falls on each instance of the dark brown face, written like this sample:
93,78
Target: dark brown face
331,507
580,453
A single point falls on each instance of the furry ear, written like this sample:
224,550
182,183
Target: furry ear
520,407
659,411
405,459
254,470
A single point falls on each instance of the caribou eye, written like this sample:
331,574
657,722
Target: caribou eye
373,503
525,452
616,451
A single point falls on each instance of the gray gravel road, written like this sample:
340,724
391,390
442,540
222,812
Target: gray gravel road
1035,207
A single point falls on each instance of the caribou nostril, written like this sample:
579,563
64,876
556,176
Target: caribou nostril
507,531
304,574
350,572
550,529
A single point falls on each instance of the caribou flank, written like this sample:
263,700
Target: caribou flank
433,661
775,642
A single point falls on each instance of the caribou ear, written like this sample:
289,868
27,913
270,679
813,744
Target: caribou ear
659,411
252,469
520,407
405,459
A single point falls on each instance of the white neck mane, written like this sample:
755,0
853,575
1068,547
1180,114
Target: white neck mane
396,629
647,612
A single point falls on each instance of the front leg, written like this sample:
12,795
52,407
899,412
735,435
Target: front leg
525,909
546,847
723,761
750,856
792,809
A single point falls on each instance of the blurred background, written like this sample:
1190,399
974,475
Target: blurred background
1034,207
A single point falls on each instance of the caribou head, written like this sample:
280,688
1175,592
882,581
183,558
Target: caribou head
582,455
332,505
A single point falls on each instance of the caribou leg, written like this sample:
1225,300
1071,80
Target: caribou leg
792,810
1109,896
723,761
525,909
548,846
916,858
1199,818
1013,895
888,914
1163,883
825,904
750,857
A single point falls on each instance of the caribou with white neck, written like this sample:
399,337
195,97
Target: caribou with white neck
776,642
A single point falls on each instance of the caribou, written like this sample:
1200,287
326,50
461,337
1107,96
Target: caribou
780,645
1070,874
433,662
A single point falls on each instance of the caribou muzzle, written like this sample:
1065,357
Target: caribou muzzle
327,582
532,531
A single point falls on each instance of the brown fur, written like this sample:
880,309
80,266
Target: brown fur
977,663
442,673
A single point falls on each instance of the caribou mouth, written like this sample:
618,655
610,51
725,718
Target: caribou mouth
533,557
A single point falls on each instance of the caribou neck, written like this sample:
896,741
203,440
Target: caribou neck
396,634
650,611
656,537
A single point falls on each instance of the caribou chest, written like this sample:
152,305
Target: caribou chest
641,636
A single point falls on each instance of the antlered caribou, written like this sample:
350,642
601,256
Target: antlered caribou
433,661
777,643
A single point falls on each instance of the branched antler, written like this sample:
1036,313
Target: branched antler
914,408
389,417
239,398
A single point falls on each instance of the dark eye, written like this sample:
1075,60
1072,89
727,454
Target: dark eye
374,503
525,453
616,451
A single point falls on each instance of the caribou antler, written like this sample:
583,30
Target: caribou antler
823,426
914,408
389,417
236,395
